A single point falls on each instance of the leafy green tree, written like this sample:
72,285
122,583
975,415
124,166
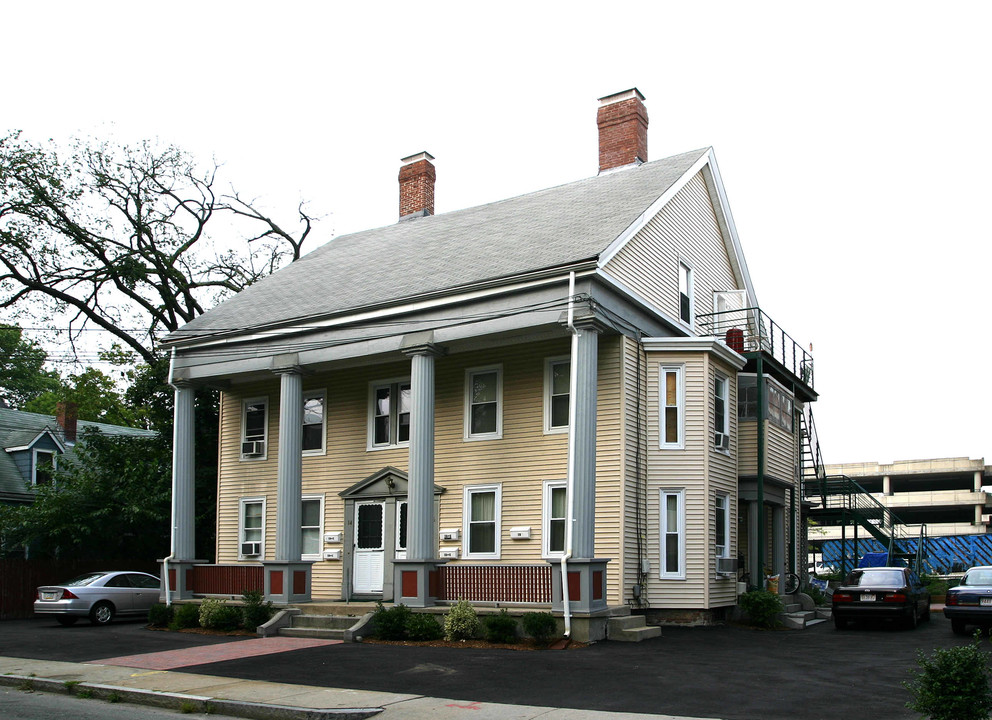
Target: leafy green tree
96,397
22,373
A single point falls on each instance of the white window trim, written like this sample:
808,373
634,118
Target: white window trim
690,281
680,393
393,423
726,524
241,527
322,394
34,462
265,433
320,530
663,531
549,364
546,518
466,521
725,430
468,436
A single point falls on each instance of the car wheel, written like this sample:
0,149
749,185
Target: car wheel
67,620
958,627
102,613
912,621
839,623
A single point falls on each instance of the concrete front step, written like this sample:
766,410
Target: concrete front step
326,627
630,628
311,632
802,619
325,622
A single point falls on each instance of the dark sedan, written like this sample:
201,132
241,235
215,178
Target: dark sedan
970,603
882,593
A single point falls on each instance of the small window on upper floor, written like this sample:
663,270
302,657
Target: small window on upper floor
314,422
721,418
779,405
389,413
254,428
556,394
685,293
672,407
45,463
484,403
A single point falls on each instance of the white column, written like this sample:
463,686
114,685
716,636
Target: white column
183,475
289,503
886,485
586,369
421,543
978,481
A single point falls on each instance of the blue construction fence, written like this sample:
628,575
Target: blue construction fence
942,555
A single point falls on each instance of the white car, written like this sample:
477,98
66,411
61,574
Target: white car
100,596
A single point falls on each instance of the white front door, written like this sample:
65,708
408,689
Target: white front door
369,546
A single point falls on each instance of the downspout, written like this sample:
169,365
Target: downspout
760,556
570,475
172,533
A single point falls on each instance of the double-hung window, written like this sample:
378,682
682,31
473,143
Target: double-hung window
44,466
482,522
685,293
484,403
673,534
556,394
251,530
722,522
555,512
389,413
311,526
672,402
314,422
254,428
721,418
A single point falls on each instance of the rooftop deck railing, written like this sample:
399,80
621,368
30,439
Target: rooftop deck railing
751,330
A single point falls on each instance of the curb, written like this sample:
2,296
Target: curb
181,701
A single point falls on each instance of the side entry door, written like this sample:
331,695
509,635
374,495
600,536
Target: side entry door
369,546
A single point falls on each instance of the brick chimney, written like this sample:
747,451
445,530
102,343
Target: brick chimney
623,130
66,414
417,186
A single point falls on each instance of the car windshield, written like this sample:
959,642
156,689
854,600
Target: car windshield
877,577
978,577
83,580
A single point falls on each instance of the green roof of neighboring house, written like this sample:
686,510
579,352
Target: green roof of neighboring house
21,431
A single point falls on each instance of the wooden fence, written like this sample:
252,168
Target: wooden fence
19,578
496,583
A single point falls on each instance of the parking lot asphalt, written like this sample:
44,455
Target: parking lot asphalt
728,671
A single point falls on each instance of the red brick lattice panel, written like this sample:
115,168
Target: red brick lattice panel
495,583
226,579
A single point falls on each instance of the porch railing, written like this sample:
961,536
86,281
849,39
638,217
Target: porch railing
495,583
225,579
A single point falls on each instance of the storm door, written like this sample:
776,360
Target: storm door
369,546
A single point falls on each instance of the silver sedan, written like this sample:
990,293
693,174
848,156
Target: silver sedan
100,596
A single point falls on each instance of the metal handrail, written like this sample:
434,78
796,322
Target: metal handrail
751,330
840,492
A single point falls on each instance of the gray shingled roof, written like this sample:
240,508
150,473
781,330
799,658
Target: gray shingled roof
545,229
18,428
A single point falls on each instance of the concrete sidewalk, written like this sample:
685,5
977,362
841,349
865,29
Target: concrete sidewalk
191,692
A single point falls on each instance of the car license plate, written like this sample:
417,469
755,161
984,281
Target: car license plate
868,597
52,596
985,601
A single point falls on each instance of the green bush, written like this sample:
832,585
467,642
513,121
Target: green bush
816,595
541,626
184,616
390,623
218,615
160,615
255,612
461,622
423,626
953,684
762,607
501,628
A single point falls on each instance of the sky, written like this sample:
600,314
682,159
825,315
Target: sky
852,137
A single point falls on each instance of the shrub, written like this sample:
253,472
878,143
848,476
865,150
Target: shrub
762,607
422,626
501,628
160,615
218,615
953,684
184,616
461,622
390,623
816,595
255,612
541,626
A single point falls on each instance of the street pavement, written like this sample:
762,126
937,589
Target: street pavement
725,672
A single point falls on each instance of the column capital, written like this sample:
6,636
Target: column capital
422,343
288,364
588,323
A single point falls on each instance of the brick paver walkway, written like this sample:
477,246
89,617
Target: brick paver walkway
172,659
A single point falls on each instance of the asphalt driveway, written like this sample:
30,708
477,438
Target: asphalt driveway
726,672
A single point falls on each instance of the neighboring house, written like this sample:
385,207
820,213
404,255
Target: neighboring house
34,445
947,496
403,409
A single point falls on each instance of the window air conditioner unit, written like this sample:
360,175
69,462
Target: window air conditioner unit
721,441
251,548
726,566
253,447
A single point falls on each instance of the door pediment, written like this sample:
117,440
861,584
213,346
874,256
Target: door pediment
387,482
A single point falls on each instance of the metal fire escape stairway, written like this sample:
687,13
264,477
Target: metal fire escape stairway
838,500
